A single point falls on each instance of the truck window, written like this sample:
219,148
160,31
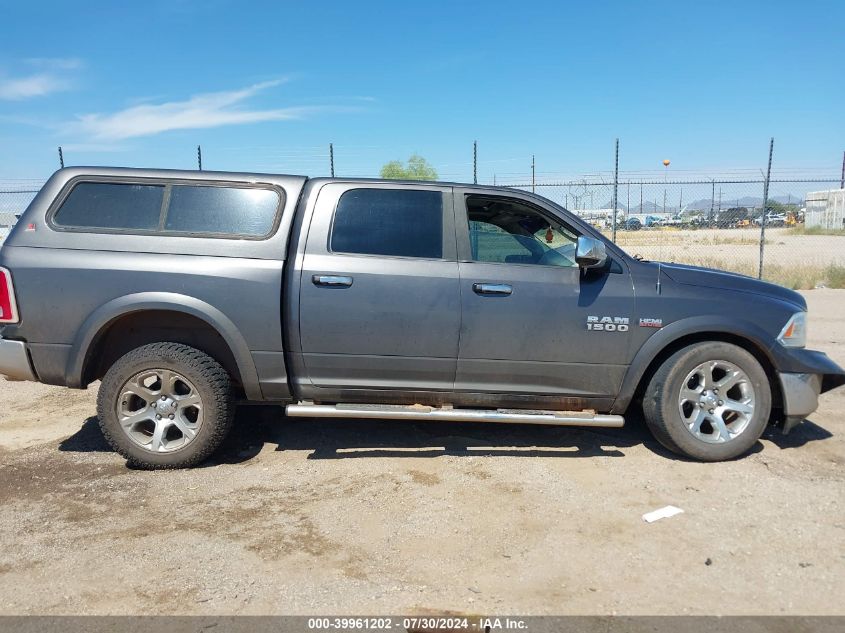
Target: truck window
503,230
221,210
392,222
111,206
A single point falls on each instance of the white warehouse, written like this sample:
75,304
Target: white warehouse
825,209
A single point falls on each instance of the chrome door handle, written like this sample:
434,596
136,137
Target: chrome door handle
332,281
501,290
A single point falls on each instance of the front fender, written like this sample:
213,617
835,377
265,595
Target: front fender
127,304
666,336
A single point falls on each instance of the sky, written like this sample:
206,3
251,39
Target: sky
267,86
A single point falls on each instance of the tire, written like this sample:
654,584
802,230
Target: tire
742,404
189,392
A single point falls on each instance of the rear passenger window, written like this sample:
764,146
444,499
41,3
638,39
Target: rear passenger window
112,206
393,222
223,210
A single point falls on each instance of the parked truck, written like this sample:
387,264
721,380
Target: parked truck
187,292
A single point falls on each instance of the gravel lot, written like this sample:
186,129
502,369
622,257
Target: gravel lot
359,517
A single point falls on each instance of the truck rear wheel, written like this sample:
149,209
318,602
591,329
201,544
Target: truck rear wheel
709,401
165,405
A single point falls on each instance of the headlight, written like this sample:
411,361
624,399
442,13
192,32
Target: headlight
794,333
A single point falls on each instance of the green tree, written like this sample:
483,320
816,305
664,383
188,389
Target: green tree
779,207
417,168
734,214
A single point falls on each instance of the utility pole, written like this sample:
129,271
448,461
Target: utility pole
712,200
615,192
765,205
842,180
61,158
331,159
475,162
199,157
532,173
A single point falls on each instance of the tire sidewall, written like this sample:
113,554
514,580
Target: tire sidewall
684,362
160,357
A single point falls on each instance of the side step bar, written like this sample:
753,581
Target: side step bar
420,412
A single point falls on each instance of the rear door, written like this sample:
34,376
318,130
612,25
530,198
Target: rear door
379,296
526,304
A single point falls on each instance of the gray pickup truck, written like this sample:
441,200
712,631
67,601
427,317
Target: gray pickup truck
186,292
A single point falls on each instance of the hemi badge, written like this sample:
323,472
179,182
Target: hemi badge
651,323
30,227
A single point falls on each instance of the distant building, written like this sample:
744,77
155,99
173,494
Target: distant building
825,209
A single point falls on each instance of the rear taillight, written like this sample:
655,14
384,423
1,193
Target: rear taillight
8,306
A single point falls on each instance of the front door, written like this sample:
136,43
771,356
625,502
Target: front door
379,299
526,304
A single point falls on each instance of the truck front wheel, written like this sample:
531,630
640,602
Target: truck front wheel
165,405
709,401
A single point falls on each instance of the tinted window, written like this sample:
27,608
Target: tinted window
508,231
403,223
223,210
112,206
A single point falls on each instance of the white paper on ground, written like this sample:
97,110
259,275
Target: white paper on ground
662,513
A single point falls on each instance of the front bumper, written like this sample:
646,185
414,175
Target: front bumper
14,361
800,397
803,375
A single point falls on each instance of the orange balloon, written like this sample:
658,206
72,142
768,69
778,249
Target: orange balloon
666,163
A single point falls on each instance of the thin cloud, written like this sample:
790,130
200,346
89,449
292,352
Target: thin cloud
55,63
94,147
51,74
38,85
200,111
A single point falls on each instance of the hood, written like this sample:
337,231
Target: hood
720,279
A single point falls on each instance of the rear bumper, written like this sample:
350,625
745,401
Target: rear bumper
14,361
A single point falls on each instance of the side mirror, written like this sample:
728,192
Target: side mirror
590,252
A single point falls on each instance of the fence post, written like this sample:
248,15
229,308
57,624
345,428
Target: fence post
331,158
475,162
199,158
765,205
61,158
615,192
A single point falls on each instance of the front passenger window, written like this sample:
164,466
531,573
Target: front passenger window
509,231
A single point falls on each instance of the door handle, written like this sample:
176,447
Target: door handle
332,281
500,290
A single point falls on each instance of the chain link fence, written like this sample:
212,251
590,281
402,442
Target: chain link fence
712,223
720,224
15,196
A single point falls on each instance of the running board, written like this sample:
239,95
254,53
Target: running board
420,412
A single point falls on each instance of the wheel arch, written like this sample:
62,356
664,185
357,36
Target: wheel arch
84,360
658,348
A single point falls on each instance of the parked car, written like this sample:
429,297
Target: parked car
636,222
188,292
772,219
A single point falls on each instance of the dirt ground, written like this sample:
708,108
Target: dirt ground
735,249
360,517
